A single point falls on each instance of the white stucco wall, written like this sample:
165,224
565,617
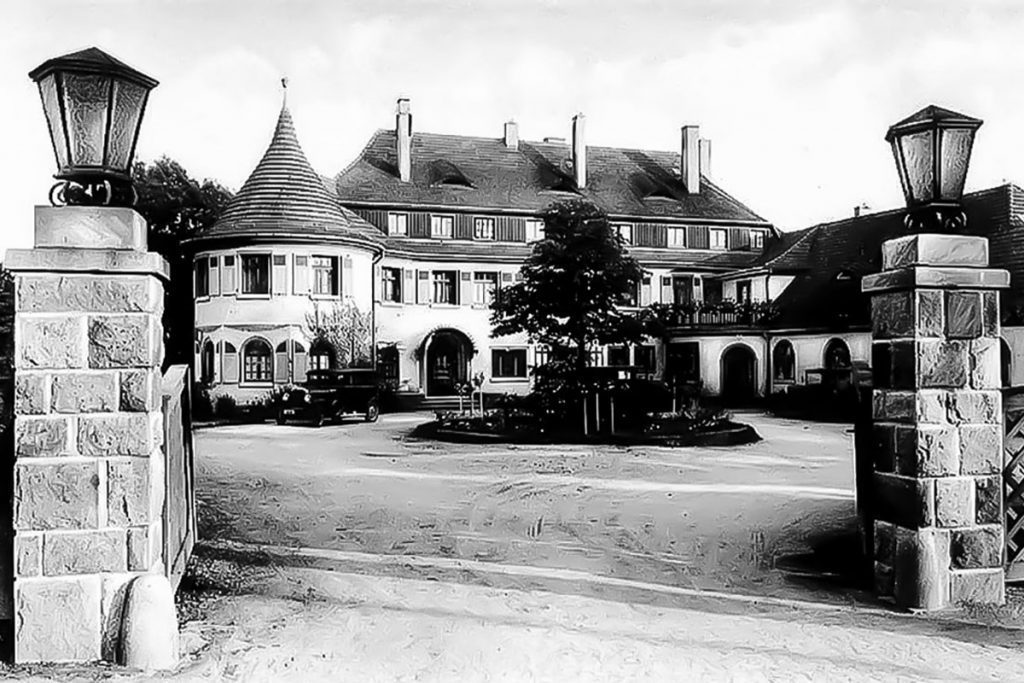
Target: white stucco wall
809,350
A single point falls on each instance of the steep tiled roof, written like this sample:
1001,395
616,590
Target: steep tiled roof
461,171
836,255
284,196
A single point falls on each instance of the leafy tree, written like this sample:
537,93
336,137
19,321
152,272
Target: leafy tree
345,329
572,287
176,206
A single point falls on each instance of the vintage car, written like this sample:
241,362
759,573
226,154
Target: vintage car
331,394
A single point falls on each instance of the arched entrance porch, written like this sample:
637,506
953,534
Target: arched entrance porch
447,354
739,374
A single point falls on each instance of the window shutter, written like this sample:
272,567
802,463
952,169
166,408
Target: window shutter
228,275
230,364
408,286
645,291
666,289
300,366
300,276
279,277
423,286
214,276
281,363
346,277
465,288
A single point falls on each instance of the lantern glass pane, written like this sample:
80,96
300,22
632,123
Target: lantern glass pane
956,154
85,97
918,158
124,124
51,107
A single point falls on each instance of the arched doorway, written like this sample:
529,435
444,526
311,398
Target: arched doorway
739,378
447,354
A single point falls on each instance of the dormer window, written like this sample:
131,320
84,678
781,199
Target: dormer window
483,228
625,231
718,238
677,238
442,227
534,230
662,193
757,239
446,174
398,224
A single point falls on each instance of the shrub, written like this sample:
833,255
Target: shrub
202,402
225,407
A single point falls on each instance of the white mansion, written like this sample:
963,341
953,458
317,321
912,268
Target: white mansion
421,229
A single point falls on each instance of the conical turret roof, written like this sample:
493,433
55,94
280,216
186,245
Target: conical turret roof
284,196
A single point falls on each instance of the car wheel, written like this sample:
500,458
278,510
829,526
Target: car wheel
372,412
281,419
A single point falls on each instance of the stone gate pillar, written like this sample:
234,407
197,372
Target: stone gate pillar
937,422
88,473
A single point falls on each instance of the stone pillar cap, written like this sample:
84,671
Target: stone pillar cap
98,261
956,251
925,277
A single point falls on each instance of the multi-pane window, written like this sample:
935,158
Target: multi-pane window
534,229
718,238
398,224
541,355
484,286
682,289
677,237
757,239
444,287
508,363
320,356
257,362
391,284
255,274
618,355
325,275
625,231
202,277
483,228
442,227
644,358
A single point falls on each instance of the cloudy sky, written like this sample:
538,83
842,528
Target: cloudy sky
795,94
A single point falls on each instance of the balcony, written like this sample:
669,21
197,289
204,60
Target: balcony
700,314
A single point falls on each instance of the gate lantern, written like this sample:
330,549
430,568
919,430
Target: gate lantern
94,106
932,149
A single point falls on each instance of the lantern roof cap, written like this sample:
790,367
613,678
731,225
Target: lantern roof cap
931,115
92,60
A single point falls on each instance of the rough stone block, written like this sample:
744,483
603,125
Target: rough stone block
40,436
921,569
978,407
137,391
977,548
927,451
128,491
121,434
881,365
930,317
885,542
883,442
893,406
106,293
28,554
983,586
984,363
50,342
990,314
58,619
988,500
90,227
84,552
903,373
934,249
954,501
931,406
81,392
903,501
963,314
981,449
139,557
126,341
941,364
30,393
56,496
892,315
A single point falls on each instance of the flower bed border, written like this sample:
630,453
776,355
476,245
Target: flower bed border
736,434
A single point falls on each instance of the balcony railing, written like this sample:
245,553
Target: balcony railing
715,314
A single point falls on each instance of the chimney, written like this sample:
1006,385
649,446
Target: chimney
512,135
705,158
403,140
689,166
579,151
